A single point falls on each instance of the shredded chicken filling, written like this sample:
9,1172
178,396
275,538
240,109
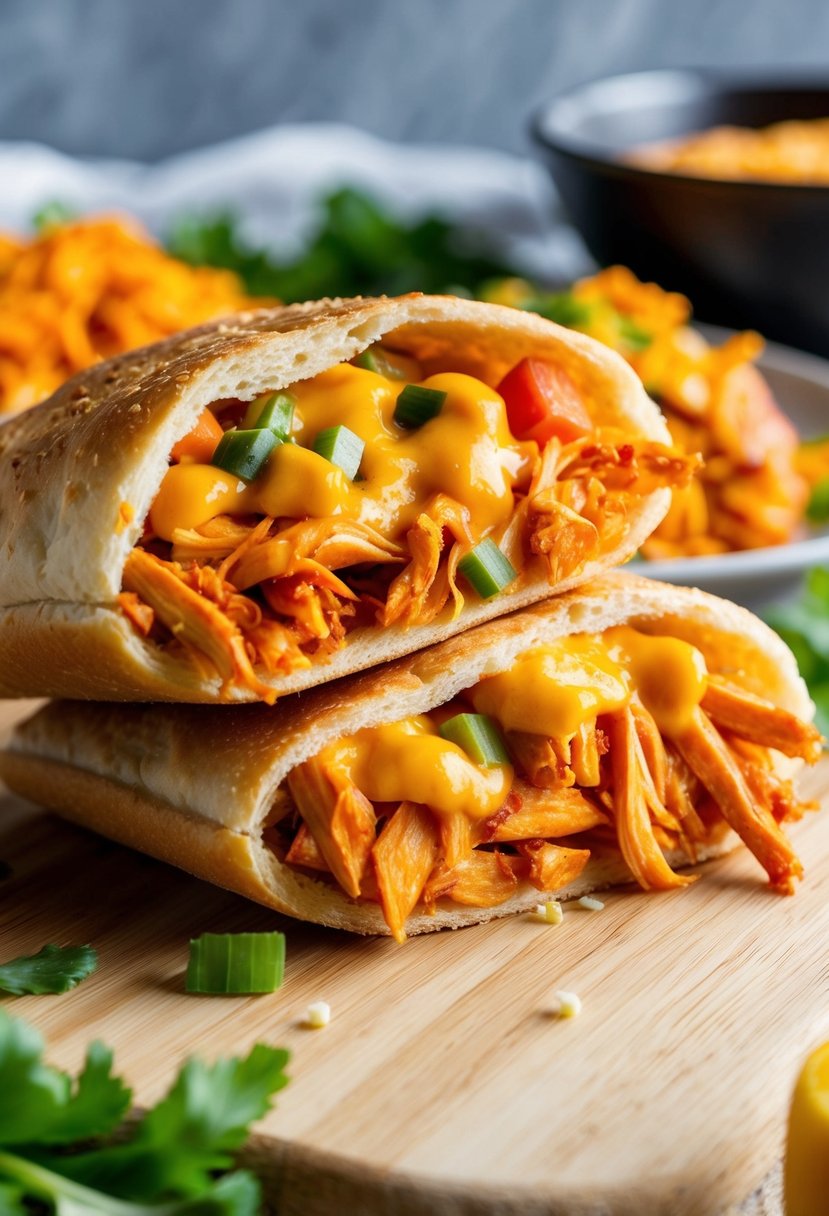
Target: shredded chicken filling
238,579
400,817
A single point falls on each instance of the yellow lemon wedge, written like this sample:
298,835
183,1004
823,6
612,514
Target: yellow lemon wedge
806,1175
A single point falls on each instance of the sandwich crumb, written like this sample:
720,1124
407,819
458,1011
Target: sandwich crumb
549,913
317,1015
567,1005
592,905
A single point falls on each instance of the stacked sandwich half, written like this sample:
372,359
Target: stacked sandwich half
328,594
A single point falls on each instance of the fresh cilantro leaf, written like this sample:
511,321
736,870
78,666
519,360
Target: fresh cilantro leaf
12,1199
168,1165
359,248
804,627
54,969
237,1194
97,1105
207,1114
34,1095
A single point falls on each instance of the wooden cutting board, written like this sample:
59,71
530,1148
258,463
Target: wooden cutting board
442,1086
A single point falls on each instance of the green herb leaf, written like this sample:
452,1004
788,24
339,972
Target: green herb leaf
98,1104
166,1168
206,1114
818,509
804,627
359,249
52,215
54,969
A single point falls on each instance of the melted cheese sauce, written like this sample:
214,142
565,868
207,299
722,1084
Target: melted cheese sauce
467,451
555,689
550,691
408,760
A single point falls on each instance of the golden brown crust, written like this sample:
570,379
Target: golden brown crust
185,783
102,442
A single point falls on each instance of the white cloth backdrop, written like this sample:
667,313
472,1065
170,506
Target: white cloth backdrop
273,178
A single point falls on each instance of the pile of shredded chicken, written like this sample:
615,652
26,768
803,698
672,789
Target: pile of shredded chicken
84,290
750,491
245,596
618,784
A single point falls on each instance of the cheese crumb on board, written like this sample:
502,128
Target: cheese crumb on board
549,913
317,1015
592,905
567,1005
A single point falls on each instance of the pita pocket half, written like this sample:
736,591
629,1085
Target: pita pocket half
244,511
604,736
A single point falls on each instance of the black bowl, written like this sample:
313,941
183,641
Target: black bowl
748,254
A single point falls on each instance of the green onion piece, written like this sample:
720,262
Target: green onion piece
342,447
487,569
387,363
817,512
634,336
244,453
236,963
417,405
271,412
478,736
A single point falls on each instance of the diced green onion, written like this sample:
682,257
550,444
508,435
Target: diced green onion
342,447
417,405
271,412
478,736
236,963
244,453
387,363
487,569
368,360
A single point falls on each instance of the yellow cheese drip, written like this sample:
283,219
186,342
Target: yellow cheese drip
409,760
670,675
466,451
554,689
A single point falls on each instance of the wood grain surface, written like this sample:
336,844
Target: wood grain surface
443,1085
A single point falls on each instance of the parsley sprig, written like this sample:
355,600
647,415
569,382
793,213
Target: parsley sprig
165,1165
53,969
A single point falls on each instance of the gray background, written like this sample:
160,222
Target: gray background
145,78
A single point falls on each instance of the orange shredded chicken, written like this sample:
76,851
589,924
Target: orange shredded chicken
753,487
620,779
340,818
84,291
404,857
706,753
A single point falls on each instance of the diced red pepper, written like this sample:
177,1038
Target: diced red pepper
542,401
200,443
